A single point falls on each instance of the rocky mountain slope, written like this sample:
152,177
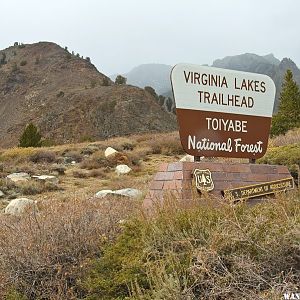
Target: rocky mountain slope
68,99
267,64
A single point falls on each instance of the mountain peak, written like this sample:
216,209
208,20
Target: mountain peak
68,98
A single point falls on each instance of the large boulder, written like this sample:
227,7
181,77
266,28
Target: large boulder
19,206
128,192
122,169
109,151
18,177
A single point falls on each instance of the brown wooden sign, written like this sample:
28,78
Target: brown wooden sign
261,189
222,112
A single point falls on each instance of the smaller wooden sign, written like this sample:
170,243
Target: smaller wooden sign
261,189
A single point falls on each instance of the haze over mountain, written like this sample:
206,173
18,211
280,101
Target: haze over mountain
159,78
69,99
153,75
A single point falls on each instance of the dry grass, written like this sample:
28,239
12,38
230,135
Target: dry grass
203,252
99,173
75,248
18,154
43,254
31,187
43,156
291,137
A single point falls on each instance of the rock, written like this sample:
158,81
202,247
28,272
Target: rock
73,162
89,150
189,158
60,169
68,160
103,193
46,178
1,194
128,192
122,169
110,151
18,177
19,206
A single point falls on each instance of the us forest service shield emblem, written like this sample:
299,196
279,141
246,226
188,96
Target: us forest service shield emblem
203,180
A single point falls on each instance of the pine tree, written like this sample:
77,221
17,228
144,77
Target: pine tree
288,116
120,80
30,137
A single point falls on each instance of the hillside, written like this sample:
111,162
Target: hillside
69,99
80,246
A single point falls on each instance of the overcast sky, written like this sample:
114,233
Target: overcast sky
119,35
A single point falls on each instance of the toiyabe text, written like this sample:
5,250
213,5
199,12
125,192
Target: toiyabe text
231,145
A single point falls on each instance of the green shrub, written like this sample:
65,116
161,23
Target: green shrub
3,59
60,94
288,155
120,80
30,137
105,81
47,143
123,261
15,67
151,91
43,156
288,116
14,295
93,83
23,63
204,252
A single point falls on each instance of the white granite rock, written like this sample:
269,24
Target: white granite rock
122,169
110,151
19,206
46,178
189,158
128,192
103,193
18,177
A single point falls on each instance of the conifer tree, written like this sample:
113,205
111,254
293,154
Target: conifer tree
30,137
288,116
120,80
